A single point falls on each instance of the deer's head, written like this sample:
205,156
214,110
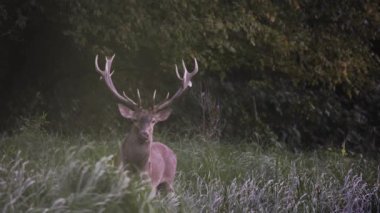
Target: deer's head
145,119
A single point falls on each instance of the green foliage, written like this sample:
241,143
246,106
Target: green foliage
76,185
305,62
79,176
302,71
228,37
14,17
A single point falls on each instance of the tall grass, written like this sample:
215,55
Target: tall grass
44,172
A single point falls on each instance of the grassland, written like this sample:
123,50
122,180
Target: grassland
46,172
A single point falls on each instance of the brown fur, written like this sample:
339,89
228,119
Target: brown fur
140,154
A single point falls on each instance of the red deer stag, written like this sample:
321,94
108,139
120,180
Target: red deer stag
139,151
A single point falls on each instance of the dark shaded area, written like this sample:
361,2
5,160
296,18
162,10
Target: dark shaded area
44,71
302,72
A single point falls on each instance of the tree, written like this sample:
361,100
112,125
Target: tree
303,69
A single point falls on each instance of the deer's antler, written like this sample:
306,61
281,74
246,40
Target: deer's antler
186,82
106,75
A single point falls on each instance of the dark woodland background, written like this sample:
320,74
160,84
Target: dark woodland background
303,72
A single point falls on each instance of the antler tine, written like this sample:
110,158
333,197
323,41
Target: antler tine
187,76
195,71
154,96
176,71
125,96
97,65
106,75
138,95
186,82
184,66
109,63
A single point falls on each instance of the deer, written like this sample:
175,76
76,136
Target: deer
140,152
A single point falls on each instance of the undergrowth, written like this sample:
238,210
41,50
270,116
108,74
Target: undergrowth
45,172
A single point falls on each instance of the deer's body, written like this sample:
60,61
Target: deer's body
154,158
162,157
139,152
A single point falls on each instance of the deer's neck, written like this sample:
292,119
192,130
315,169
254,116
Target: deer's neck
135,151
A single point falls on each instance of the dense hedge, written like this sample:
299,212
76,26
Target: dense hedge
305,70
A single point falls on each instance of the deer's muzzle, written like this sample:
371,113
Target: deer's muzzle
144,136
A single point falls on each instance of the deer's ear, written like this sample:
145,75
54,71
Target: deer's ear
126,112
163,114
